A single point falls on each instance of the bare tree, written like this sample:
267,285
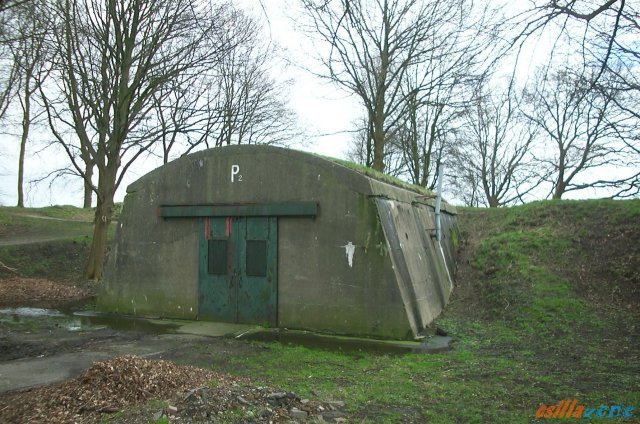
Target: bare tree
584,130
604,33
112,58
28,54
605,29
251,102
9,78
6,5
372,45
185,115
464,185
238,101
494,150
9,69
360,145
430,120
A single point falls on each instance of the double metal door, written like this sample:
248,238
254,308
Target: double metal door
238,269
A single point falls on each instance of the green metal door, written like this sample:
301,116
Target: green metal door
238,269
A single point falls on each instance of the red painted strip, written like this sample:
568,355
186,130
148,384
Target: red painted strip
207,228
228,227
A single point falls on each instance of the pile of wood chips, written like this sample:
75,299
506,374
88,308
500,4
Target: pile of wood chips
108,386
17,290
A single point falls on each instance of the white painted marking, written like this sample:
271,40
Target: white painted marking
444,261
235,170
350,250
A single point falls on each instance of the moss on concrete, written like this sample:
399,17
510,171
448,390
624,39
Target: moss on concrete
380,176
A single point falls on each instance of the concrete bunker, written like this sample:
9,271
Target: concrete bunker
278,237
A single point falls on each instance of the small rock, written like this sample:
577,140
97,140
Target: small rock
190,394
243,400
340,420
158,415
304,401
277,395
337,404
298,414
265,413
332,416
172,410
441,332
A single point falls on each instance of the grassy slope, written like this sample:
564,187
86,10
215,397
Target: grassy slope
545,308
55,249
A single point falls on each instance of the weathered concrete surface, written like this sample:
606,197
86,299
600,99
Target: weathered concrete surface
335,271
31,372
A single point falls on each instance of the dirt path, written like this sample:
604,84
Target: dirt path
30,239
21,234
50,218
44,370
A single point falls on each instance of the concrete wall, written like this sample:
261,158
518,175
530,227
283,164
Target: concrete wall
153,267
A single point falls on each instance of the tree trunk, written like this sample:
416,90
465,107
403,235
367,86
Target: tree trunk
23,147
560,181
26,124
95,264
559,190
104,209
88,190
378,150
378,136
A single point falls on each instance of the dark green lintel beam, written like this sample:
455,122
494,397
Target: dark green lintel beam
309,209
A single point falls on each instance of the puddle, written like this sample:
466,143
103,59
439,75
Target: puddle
75,318
81,320
30,312
340,344
125,323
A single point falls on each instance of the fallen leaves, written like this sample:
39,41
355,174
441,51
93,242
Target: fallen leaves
194,395
107,386
17,290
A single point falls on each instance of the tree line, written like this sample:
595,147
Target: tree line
436,87
439,83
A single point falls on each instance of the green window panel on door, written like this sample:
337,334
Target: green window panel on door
238,269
